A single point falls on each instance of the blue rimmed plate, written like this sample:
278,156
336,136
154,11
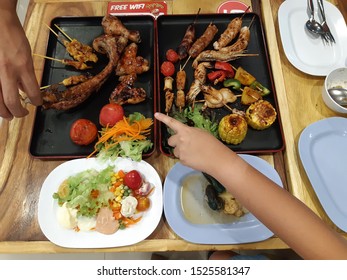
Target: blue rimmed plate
242,230
323,152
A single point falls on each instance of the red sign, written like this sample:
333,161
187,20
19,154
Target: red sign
140,8
230,7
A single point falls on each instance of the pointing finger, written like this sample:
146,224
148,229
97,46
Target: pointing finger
170,122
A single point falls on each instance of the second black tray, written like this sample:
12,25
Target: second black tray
170,31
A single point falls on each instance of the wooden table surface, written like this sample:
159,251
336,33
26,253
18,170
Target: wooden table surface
21,176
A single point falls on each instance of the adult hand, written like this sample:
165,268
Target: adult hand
194,147
16,66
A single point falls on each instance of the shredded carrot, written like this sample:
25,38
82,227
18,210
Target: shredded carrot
117,215
121,173
130,221
123,131
94,193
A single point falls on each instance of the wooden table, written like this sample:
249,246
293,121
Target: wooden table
21,177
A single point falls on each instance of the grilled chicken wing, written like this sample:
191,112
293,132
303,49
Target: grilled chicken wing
129,63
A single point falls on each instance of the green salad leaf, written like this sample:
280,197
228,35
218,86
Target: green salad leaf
198,118
77,192
131,149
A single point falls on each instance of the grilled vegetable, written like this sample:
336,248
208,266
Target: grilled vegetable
244,77
232,83
261,115
232,129
258,86
250,96
221,65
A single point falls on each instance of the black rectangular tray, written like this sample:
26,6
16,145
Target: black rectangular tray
170,31
50,134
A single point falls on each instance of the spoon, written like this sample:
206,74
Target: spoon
339,95
312,25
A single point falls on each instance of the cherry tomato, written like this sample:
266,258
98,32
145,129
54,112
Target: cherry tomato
83,132
133,180
171,55
143,203
110,114
167,68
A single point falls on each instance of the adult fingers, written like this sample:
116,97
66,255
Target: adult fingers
30,86
10,96
4,112
175,125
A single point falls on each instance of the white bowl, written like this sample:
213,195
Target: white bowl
336,78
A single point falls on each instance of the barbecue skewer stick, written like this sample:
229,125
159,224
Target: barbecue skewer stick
50,58
70,81
55,33
62,31
44,87
76,64
226,105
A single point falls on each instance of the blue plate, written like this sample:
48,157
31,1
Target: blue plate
323,152
243,230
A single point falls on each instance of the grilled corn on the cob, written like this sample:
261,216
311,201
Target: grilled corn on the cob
261,115
232,129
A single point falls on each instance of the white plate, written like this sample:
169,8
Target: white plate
306,51
323,152
243,230
47,207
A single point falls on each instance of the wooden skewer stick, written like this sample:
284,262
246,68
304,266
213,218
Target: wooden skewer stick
51,58
67,36
245,11
249,26
184,65
44,87
55,33
228,107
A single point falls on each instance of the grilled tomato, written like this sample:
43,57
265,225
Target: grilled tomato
167,68
110,114
83,132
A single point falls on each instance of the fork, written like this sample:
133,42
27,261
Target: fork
324,24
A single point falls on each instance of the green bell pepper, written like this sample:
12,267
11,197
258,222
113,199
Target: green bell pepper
258,86
232,83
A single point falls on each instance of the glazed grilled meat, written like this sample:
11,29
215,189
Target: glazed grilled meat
126,93
113,26
130,63
75,95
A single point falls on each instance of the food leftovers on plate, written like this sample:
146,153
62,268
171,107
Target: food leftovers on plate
103,201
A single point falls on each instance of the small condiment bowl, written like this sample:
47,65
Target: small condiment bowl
336,78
